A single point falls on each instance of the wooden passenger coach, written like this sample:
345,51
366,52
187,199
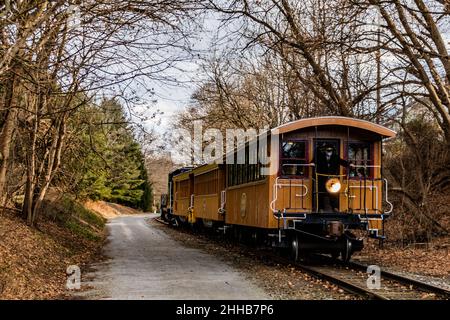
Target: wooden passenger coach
209,186
296,204
183,195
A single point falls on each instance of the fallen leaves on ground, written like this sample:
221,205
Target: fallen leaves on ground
33,261
433,260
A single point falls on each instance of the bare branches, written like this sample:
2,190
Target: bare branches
60,56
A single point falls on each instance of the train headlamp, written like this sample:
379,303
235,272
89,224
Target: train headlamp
333,185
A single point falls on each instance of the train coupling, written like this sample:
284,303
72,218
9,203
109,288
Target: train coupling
335,229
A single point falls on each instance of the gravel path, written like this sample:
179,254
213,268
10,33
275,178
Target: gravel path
146,263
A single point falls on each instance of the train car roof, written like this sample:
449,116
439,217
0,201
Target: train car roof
182,176
334,120
300,124
205,168
180,170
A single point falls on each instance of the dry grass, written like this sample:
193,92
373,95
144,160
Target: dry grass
33,261
428,259
109,210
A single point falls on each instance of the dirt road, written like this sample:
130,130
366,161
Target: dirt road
146,263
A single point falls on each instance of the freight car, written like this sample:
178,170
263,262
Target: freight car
325,181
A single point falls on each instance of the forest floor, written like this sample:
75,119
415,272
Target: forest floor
427,262
431,259
33,260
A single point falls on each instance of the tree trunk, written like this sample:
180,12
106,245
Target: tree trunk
27,209
7,136
54,161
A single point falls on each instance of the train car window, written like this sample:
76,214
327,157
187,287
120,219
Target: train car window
247,172
233,175
247,166
258,171
293,156
239,174
359,153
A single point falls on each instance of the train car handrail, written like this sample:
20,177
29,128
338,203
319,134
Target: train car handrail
370,187
277,185
191,203
223,199
387,200
366,166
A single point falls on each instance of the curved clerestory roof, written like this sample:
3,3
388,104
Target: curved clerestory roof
334,121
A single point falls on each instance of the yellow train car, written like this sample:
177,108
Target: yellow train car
199,194
183,200
308,205
209,193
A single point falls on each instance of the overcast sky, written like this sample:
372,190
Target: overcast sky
174,98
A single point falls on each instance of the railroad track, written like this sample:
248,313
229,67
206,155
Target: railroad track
352,277
158,219
419,285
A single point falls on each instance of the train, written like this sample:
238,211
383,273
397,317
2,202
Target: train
323,183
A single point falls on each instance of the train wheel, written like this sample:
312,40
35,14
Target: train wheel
238,234
335,255
182,220
295,248
174,222
346,253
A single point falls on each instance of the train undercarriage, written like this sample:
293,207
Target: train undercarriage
299,238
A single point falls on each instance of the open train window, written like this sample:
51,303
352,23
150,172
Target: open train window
359,153
246,172
293,157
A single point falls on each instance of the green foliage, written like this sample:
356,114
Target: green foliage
111,164
81,230
73,208
72,215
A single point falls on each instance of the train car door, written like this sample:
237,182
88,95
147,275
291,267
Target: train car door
327,159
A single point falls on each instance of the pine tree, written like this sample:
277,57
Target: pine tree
113,166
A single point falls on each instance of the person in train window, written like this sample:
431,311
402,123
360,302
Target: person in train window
328,163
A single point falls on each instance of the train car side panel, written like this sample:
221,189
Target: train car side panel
182,194
208,185
247,204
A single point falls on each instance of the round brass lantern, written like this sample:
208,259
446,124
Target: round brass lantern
333,185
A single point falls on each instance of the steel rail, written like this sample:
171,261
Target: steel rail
345,285
406,280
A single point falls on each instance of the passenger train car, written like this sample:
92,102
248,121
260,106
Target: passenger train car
325,181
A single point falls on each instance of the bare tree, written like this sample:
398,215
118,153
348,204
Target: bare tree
314,38
57,57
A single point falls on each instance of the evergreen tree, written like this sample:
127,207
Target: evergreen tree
113,167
